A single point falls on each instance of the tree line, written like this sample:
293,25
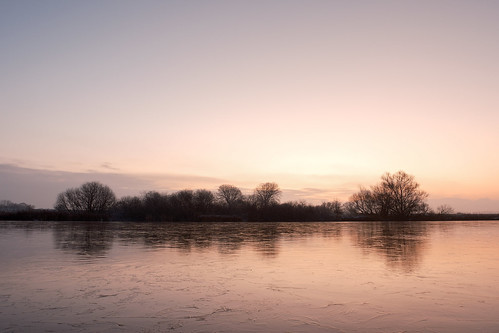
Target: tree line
396,196
227,203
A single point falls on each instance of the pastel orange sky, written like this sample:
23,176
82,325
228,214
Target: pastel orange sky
318,96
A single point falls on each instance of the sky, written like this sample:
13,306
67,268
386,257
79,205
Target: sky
320,97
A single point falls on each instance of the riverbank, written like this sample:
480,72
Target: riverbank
54,215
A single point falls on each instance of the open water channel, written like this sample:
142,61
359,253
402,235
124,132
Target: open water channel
249,277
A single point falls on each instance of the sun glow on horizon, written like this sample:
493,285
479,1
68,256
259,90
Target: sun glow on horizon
317,95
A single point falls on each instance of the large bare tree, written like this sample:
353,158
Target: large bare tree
229,195
91,197
397,195
267,194
403,194
203,200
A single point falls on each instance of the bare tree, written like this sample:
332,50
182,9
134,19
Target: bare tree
363,203
403,193
182,205
397,195
229,195
445,210
155,206
203,200
69,200
91,197
334,207
267,194
183,199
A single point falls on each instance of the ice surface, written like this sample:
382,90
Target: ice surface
249,277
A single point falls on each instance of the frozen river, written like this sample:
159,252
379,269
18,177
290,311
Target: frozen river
249,277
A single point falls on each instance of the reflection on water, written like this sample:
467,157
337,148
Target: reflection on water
249,277
96,238
88,239
401,243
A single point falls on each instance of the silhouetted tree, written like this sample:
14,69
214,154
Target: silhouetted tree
229,195
69,200
397,195
267,194
91,197
203,201
363,203
130,208
182,204
403,194
444,210
294,211
331,209
156,206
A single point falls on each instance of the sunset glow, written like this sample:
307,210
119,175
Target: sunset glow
318,96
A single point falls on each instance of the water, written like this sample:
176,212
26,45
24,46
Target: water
249,277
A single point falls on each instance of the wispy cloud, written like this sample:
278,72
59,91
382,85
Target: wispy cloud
40,187
316,195
108,166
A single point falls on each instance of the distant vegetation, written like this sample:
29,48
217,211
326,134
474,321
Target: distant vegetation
7,206
396,197
227,203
